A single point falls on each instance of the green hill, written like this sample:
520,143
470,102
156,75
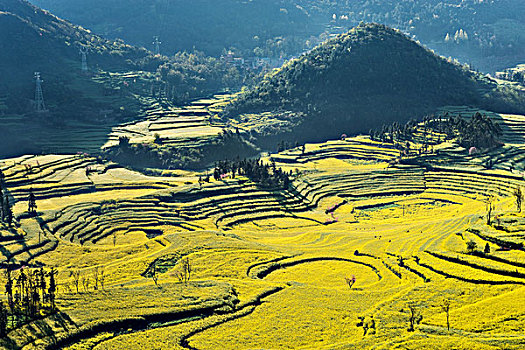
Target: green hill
363,79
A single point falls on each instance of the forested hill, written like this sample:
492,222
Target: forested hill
25,26
370,76
33,40
210,26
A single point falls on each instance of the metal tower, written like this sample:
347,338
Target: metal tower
39,97
156,45
83,53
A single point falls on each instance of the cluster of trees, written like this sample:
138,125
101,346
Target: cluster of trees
39,31
189,75
96,280
272,26
479,131
256,170
475,29
516,74
31,293
415,315
227,145
183,272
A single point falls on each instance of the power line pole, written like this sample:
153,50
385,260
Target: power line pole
83,53
39,96
156,45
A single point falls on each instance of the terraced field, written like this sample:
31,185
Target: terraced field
268,265
192,124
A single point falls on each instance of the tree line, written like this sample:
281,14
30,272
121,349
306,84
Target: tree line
31,293
265,174
479,131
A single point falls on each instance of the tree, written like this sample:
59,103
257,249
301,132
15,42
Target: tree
85,283
9,288
9,218
487,249
76,278
52,287
101,277
31,202
186,267
42,283
6,210
154,274
446,307
96,277
518,194
490,208
2,210
123,143
471,247
415,316
350,281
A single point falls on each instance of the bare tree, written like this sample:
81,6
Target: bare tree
101,277
415,316
446,307
187,269
518,194
490,208
350,281
154,274
96,277
76,278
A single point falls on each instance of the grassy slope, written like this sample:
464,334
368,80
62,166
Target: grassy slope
391,212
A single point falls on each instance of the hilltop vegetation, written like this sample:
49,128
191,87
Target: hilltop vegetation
362,79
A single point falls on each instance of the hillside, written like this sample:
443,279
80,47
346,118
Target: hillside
351,248
33,40
188,25
121,83
360,80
